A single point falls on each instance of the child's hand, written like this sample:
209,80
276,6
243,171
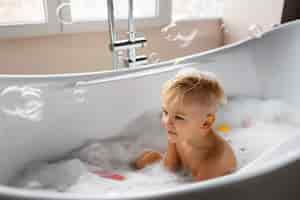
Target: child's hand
147,158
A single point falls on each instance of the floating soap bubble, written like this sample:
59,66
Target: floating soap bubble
169,27
80,95
173,35
154,58
186,40
224,28
255,30
178,61
23,102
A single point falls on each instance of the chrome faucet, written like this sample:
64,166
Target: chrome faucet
129,44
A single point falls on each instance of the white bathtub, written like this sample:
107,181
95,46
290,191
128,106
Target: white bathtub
105,103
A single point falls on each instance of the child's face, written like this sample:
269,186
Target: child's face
184,122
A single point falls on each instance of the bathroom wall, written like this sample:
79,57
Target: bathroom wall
239,15
84,52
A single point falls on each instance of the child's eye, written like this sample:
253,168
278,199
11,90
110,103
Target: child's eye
164,112
179,117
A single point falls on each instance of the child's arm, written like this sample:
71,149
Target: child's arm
172,159
147,158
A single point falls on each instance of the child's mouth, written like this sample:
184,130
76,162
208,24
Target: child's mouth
171,133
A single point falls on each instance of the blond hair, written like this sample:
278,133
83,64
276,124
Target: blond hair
196,87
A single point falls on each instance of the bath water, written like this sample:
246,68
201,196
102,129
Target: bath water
251,126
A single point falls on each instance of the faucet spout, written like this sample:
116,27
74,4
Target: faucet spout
111,29
130,44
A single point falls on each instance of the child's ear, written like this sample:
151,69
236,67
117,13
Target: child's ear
209,121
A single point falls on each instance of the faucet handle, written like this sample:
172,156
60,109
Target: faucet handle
139,60
127,44
136,34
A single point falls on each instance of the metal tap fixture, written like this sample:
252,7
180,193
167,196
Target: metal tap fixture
129,44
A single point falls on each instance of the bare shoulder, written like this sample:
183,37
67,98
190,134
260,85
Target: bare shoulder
224,162
228,159
221,163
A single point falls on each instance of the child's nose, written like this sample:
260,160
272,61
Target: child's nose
168,121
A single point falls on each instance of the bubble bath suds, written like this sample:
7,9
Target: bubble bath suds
103,167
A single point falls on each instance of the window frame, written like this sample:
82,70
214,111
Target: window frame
51,25
164,17
54,26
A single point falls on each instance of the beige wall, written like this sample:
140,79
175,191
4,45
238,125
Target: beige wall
89,51
83,52
239,15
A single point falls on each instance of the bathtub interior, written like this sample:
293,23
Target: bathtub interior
259,134
60,119
277,62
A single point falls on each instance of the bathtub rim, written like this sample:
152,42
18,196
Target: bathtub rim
231,179
53,77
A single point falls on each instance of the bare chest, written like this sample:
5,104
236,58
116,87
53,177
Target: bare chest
191,157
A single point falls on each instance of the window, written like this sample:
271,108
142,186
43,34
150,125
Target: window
19,18
14,12
195,9
92,10
91,15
